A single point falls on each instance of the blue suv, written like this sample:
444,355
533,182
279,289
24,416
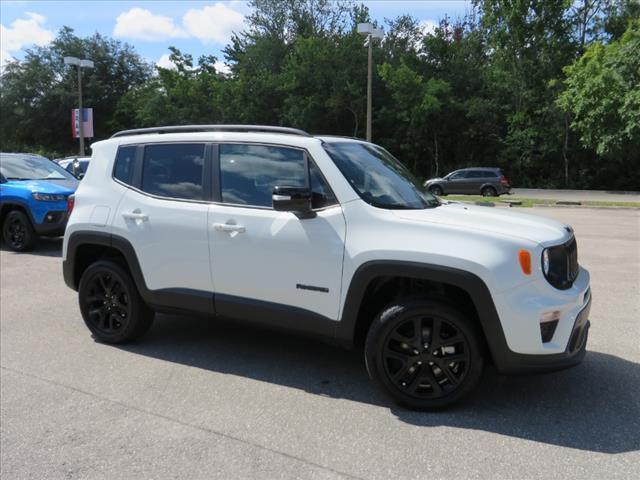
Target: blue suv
33,199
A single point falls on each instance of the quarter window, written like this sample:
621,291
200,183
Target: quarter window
322,196
174,170
125,160
248,173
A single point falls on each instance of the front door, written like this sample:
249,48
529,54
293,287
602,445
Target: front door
269,261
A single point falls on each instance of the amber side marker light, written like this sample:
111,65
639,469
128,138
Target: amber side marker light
525,261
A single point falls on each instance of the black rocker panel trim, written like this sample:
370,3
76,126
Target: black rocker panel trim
171,300
283,317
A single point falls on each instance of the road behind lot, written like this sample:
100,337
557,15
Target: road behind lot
198,399
577,195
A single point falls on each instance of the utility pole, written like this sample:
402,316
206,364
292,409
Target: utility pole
371,33
80,64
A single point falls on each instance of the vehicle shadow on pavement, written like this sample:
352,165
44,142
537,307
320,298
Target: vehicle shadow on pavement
44,247
594,406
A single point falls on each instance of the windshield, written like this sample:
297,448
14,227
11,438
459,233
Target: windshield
28,167
378,177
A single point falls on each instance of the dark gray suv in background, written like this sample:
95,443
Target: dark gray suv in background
488,182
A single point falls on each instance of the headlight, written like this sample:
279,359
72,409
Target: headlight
545,261
48,197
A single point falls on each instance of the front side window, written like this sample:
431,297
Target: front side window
174,170
378,177
31,167
248,173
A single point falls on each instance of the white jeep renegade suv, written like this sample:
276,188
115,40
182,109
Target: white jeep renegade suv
326,236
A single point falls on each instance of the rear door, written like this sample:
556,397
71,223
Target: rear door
163,215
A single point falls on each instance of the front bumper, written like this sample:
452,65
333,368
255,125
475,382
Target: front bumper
523,349
52,224
515,363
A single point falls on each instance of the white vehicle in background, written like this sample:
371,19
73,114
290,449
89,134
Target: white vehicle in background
327,236
76,166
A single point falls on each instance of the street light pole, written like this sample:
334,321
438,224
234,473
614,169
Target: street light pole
371,33
80,64
369,87
80,116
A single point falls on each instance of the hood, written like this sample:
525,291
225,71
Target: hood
499,221
433,180
62,186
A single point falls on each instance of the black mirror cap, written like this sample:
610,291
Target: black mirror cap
293,199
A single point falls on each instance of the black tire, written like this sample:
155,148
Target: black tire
489,192
414,368
17,231
436,190
110,304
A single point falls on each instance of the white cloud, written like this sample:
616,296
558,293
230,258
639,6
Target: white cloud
165,62
213,23
222,68
428,27
23,32
141,24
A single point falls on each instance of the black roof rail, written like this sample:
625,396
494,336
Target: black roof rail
212,128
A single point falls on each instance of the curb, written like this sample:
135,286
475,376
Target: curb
576,205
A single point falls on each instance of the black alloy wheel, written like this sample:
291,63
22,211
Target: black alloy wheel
18,232
111,305
427,357
424,353
107,303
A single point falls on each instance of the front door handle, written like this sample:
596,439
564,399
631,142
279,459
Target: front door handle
229,228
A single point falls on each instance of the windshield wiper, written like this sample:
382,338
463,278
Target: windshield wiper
18,178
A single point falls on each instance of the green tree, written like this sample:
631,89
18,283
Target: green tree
602,93
38,93
186,94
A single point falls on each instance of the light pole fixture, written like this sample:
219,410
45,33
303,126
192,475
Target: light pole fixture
80,63
368,30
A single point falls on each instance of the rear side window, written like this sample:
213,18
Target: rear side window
475,174
459,175
248,173
125,160
490,174
174,170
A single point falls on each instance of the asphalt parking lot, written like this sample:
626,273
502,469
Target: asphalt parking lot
197,399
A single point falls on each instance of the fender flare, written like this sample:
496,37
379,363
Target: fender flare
487,184
17,203
469,282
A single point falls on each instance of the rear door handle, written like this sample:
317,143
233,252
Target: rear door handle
135,215
229,228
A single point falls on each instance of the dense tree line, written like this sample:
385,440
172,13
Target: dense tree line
547,89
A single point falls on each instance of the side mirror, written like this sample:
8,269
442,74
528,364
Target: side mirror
80,175
293,199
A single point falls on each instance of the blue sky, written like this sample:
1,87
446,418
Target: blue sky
195,27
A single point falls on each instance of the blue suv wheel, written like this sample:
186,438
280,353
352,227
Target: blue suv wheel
18,232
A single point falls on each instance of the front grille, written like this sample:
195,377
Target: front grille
563,264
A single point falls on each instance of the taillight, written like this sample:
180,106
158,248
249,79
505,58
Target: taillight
504,180
71,201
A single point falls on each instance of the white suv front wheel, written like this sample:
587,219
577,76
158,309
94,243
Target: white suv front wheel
424,353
